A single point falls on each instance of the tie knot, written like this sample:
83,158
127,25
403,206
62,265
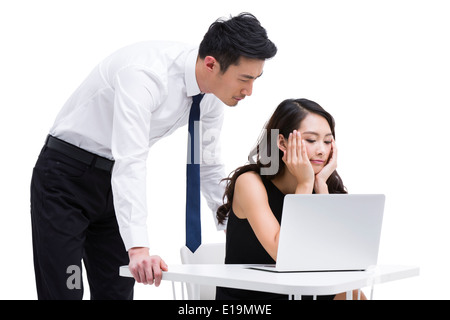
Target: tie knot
196,99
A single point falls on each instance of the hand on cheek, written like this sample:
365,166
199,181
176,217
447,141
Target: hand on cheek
297,161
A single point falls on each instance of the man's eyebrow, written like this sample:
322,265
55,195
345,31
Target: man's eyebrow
247,76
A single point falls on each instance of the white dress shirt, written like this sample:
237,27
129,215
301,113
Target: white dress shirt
133,98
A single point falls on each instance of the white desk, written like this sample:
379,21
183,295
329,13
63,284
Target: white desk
297,284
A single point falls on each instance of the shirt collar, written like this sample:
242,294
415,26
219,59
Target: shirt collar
192,88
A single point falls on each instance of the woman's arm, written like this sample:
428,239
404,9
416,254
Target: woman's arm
250,202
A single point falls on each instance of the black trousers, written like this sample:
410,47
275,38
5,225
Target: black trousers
73,219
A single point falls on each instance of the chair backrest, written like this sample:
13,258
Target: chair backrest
208,253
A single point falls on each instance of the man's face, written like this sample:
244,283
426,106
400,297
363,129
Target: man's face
237,82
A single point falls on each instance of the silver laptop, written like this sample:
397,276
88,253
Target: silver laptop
332,232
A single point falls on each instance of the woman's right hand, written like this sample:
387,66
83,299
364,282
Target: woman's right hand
296,159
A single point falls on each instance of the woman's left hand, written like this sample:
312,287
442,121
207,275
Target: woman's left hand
323,175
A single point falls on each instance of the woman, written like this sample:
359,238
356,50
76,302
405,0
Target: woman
307,159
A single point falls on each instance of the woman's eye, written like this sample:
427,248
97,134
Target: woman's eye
310,141
328,142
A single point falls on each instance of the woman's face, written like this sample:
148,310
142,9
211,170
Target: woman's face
316,133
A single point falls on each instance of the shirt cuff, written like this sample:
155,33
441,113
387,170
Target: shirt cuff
135,237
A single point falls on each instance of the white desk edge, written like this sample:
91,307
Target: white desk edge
303,283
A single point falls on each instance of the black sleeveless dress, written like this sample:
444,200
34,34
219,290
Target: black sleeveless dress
242,247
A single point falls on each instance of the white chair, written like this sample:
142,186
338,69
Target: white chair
208,253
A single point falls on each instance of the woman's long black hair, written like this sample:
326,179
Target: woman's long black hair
285,119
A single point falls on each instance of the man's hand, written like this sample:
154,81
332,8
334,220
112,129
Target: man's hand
146,269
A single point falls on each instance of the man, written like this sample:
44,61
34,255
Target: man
88,190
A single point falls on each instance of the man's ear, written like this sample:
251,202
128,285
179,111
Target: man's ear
211,63
281,143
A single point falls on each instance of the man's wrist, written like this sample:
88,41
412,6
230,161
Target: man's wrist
138,250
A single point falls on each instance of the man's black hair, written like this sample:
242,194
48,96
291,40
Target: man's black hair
228,40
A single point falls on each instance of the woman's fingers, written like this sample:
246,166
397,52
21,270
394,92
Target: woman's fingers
295,146
334,150
288,149
298,147
304,152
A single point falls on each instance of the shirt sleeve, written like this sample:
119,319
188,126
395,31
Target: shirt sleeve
212,169
137,92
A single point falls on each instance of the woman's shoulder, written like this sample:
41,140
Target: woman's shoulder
251,177
250,194
250,182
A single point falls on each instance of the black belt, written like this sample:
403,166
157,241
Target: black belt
79,154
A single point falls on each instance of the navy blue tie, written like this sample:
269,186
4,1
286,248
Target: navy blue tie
193,222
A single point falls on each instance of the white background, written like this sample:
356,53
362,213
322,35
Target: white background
382,68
